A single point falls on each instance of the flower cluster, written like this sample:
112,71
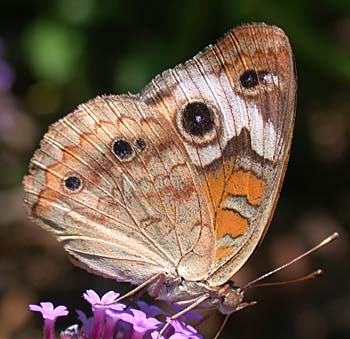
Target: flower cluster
114,320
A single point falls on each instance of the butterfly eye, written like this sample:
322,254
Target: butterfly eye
122,150
73,183
252,78
197,122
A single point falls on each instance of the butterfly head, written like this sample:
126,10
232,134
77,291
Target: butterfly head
229,298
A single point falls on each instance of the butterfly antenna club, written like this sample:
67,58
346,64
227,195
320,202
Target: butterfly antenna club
312,275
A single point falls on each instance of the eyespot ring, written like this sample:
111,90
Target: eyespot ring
198,122
122,150
73,183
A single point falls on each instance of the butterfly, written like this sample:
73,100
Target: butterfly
173,188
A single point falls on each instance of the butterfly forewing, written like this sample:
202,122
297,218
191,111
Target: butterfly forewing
113,182
233,106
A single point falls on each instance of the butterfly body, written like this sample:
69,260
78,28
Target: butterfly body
226,298
179,181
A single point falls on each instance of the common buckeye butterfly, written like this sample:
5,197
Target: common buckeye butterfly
174,188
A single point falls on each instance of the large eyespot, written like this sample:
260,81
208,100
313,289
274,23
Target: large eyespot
73,183
198,122
122,150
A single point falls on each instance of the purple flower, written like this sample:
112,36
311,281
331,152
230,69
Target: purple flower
150,310
141,324
155,335
87,323
181,336
107,300
50,314
99,306
111,328
111,320
48,311
181,328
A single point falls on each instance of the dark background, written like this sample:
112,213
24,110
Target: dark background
55,55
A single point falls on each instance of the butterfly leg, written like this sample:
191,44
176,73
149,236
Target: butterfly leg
155,291
240,307
222,326
195,303
160,277
244,305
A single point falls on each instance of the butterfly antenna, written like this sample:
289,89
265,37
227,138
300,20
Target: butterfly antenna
222,326
309,276
312,275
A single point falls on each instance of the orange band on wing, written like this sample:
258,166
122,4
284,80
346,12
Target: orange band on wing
228,221
231,223
222,252
246,183
239,184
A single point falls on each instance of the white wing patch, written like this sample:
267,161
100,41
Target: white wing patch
236,113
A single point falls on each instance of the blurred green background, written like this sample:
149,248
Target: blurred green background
55,55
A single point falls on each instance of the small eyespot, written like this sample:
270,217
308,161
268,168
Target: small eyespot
249,79
122,149
197,119
141,144
73,183
252,78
